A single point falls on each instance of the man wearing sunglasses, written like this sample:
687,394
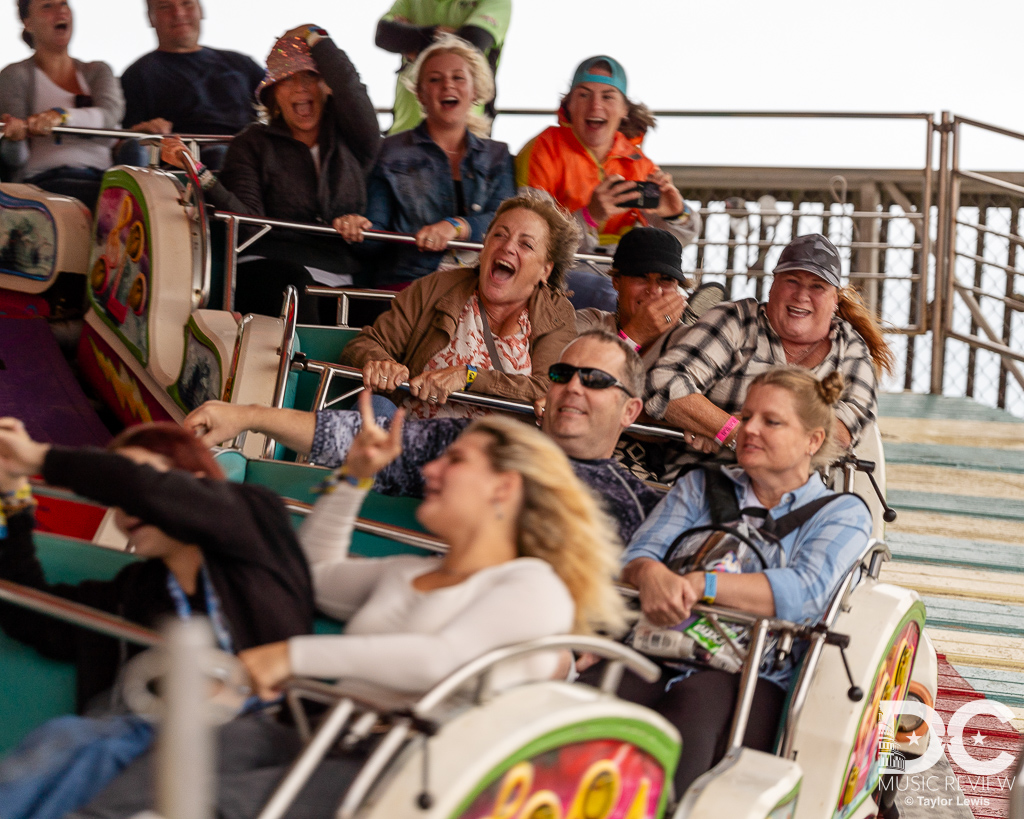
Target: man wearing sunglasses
594,394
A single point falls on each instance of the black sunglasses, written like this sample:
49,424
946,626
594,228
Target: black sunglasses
590,377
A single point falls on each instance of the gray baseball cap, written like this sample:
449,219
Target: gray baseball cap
814,254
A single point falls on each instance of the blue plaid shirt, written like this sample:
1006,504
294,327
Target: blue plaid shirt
818,554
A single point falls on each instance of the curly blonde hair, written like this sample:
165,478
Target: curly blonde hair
479,70
560,521
564,233
814,401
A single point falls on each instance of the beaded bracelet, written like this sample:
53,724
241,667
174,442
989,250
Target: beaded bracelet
11,503
339,475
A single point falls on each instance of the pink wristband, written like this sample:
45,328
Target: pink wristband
727,428
588,218
628,340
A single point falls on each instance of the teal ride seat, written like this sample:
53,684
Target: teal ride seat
34,688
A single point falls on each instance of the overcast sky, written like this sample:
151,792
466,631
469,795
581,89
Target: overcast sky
872,55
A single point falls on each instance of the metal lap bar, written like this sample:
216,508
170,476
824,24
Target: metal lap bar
328,370
78,614
374,767
117,133
481,666
875,552
304,766
289,312
266,224
748,684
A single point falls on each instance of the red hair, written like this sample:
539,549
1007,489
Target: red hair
175,443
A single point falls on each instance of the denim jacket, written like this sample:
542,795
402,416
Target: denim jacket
411,186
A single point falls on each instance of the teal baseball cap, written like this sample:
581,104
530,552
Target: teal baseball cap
616,80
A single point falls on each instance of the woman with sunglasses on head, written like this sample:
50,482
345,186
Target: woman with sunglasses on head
308,163
49,89
787,431
529,555
493,329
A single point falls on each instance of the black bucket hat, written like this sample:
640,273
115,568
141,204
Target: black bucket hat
649,250
814,254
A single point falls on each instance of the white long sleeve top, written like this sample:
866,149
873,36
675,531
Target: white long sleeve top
409,640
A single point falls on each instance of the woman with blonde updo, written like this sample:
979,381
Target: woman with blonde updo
787,430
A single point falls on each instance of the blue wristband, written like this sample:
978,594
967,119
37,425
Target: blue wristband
455,223
710,587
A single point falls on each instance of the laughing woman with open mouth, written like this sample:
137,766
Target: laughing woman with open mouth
309,163
441,181
494,329
50,89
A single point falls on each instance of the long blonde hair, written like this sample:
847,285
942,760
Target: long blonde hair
560,521
479,70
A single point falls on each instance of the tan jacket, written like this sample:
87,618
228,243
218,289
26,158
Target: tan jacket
422,322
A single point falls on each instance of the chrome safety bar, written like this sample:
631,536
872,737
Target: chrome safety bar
78,614
328,370
117,133
266,224
201,225
289,317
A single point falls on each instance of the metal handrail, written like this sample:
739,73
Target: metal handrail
289,317
817,640
118,133
924,115
200,294
480,400
78,614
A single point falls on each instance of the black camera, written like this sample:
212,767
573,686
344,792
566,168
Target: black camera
650,195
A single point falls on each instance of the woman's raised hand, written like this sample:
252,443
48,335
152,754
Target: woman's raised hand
373,448
670,203
351,226
20,456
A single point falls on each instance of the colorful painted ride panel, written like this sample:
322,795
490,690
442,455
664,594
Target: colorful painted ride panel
595,779
118,386
120,267
28,239
201,372
41,235
891,683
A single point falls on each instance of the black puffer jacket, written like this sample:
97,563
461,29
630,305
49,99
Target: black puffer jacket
267,172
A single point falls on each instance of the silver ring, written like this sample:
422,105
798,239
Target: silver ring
432,399
668,318
384,378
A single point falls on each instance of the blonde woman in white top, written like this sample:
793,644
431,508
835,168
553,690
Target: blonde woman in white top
529,554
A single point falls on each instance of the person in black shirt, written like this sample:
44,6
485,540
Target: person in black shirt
188,88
